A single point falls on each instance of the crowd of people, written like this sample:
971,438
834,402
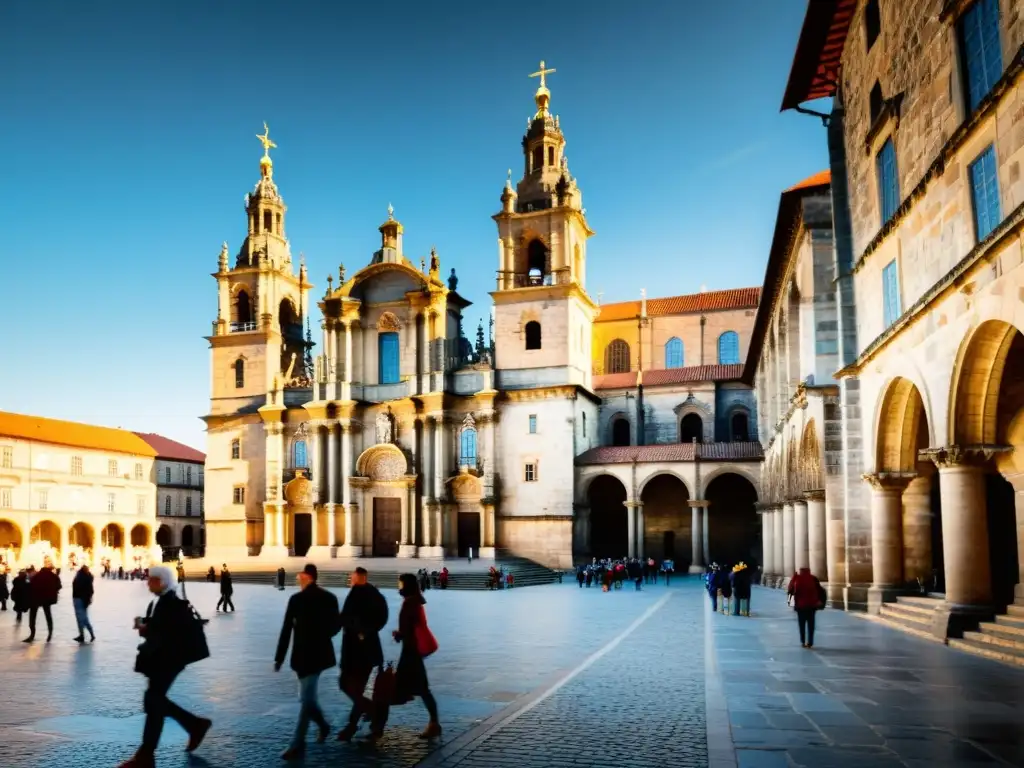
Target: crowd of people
611,574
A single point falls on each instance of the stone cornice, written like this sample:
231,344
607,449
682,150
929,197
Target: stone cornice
563,392
815,495
962,455
889,481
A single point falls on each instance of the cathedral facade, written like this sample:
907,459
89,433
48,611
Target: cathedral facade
402,439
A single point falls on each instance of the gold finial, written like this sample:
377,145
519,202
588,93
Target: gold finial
266,142
543,95
541,73
391,212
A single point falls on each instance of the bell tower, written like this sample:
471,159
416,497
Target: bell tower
543,315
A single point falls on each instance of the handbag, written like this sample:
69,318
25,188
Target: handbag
426,643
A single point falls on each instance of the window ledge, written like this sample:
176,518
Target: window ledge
885,124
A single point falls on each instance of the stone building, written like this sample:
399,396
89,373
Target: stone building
178,476
74,493
402,439
925,142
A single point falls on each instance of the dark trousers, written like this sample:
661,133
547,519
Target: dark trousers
157,707
225,600
32,620
353,683
805,619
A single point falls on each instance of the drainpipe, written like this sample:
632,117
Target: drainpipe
703,322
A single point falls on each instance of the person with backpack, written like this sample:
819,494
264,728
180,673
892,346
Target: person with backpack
363,616
312,616
172,639
808,598
417,643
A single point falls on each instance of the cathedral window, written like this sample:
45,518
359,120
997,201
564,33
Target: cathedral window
387,362
530,473
740,427
538,158
533,335
167,505
533,424
729,348
551,155
467,447
299,456
267,221
236,453
616,357
239,373
674,353
238,495
620,431
691,427
536,262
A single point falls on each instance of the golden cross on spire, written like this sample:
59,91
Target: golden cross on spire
541,73
265,141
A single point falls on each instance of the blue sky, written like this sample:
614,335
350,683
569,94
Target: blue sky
129,141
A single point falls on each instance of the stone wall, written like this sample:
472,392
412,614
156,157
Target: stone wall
547,540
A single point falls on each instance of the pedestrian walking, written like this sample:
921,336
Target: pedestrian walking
227,589
312,616
168,646
81,598
740,582
43,588
417,643
808,597
5,593
363,616
19,595
280,579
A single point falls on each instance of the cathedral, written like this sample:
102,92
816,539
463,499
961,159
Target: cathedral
403,439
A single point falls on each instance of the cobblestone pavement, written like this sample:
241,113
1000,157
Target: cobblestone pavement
865,696
80,707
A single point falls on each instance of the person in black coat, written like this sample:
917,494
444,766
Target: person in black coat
313,618
81,598
740,578
19,594
43,588
227,589
411,675
363,616
5,593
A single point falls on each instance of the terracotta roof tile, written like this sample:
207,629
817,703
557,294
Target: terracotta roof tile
654,378
55,432
707,301
171,449
627,454
820,179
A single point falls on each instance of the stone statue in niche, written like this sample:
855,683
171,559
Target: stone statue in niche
385,428
453,281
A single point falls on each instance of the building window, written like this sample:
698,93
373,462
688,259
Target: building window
167,505
691,428
740,427
872,22
584,425
239,373
44,498
76,465
890,294
188,476
5,498
533,335
138,471
236,449
888,181
620,431
387,364
985,193
202,508
140,505
111,502
729,348
980,52
467,447
167,474
551,155
300,454
188,507
238,496
530,474
7,458
616,357
112,468
875,103
533,424
674,353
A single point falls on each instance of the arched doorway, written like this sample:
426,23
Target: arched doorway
620,430
163,536
112,536
140,536
46,532
734,529
10,541
81,535
691,427
608,527
667,520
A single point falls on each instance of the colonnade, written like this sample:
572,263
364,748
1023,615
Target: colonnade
794,536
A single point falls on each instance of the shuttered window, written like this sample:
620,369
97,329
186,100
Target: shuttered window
890,294
981,54
985,193
888,181
388,363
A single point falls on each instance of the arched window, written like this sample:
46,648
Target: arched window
533,335
692,426
239,373
536,262
740,427
551,155
267,218
300,454
729,348
243,307
538,158
620,431
387,349
467,447
616,357
674,353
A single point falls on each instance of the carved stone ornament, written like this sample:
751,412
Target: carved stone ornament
382,463
466,487
299,492
388,322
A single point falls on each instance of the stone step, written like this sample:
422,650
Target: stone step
920,601
988,650
1000,635
920,609
1015,609
906,614
907,627
1016,622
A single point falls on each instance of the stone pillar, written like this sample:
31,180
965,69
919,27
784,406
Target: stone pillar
886,536
1017,481
332,463
279,539
917,531
422,350
488,454
705,525
316,469
697,537
408,547
347,375
801,552
788,541
630,528
777,543
640,530
767,563
330,339
816,535
351,548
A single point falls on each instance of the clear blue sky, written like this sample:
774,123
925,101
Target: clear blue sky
128,136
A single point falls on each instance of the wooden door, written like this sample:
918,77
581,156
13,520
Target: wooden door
469,533
303,537
387,526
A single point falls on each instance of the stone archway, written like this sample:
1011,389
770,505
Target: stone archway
112,536
469,514
10,541
164,536
608,518
140,535
81,542
388,502
668,527
734,529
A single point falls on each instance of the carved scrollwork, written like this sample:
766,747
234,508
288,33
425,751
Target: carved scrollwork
388,322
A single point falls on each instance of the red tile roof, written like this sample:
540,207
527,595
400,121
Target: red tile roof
171,449
820,179
815,70
707,301
71,433
627,454
654,378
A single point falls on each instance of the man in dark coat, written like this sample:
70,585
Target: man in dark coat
43,587
363,616
226,589
81,597
19,594
5,593
313,617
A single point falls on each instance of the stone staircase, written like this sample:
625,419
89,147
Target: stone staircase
1002,639
914,615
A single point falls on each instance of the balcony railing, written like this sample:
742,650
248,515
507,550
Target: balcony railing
532,279
249,325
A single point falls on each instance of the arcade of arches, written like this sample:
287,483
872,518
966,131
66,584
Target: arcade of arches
78,543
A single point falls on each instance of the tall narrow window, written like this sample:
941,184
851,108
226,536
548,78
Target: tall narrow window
7,457
530,473
167,474
584,425
140,505
620,431
872,22
188,507
239,373
533,335
533,424
538,158
888,181
536,263
551,155
112,468
980,52
616,357
729,348
387,348
44,499
985,193
300,454
740,433
76,465
243,310
875,102
236,453
238,495
467,447
167,505
674,353
5,498
138,471
111,502
890,294
690,428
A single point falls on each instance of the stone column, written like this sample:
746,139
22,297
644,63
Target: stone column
429,427
777,548
347,376
788,541
640,530
332,354
697,537
767,563
630,528
279,525
705,525
886,536
332,463
351,548
488,456
816,535
1017,481
801,546
917,531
